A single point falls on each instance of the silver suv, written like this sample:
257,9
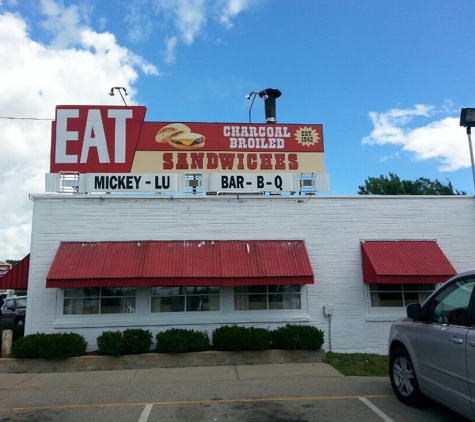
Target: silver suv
432,350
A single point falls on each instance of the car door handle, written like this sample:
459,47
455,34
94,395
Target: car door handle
472,343
456,340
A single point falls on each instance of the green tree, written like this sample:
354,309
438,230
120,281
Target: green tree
13,262
393,185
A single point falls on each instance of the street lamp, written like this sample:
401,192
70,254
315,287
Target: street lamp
467,120
248,97
120,89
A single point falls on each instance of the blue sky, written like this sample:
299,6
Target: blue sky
386,79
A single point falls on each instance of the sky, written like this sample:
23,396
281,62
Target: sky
386,79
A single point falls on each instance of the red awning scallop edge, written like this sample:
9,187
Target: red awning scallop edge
404,261
178,263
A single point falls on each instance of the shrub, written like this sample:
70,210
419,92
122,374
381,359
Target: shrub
234,338
137,340
28,347
111,343
297,337
64,345
178,340
49,346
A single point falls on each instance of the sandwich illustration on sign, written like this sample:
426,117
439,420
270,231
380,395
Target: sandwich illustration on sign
180,136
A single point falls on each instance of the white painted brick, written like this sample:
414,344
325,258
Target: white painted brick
332,228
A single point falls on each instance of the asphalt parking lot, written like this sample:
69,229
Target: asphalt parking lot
265,393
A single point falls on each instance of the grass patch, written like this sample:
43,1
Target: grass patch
359,364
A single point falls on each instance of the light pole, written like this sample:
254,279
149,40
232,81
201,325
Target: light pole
248,97
120,89
467,120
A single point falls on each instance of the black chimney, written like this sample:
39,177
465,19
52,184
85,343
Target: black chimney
269,95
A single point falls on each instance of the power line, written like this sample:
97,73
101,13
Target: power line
22,118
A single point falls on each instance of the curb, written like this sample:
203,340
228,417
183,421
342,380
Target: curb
159,360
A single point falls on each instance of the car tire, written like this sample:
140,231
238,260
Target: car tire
403,377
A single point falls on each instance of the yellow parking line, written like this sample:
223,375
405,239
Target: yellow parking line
188,402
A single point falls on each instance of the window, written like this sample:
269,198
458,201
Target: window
451,305
20,302
249,298
399,295
185,299
15,303
99,300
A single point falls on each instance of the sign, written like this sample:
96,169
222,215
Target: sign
187,182
4,268
95,139
251,182
116,139
110,182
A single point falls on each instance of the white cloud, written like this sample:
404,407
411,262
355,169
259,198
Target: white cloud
62,22
10,3
185,20
170,44
230,9
13,244
138,22
443,140
190,18
39,78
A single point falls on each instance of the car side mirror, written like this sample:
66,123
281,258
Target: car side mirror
414,311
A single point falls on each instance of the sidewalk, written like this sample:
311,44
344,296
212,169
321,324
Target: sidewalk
10,381
160,360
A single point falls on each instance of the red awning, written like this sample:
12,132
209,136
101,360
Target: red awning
180,263
405,261
17,277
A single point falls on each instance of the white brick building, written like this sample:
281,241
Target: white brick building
332,228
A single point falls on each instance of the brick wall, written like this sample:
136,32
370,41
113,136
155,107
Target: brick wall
332,228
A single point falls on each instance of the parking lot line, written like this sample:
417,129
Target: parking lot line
191,402
146,413
381,414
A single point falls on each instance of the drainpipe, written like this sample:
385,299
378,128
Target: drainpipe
328,312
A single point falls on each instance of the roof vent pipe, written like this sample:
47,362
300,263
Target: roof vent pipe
269,95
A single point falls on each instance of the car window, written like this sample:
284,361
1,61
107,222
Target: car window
8,303
451,305
21,302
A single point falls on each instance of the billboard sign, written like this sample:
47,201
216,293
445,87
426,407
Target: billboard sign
4,268
114,182
176,182
251,182
116,139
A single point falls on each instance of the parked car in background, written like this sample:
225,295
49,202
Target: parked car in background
432,350
14,310
6,293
